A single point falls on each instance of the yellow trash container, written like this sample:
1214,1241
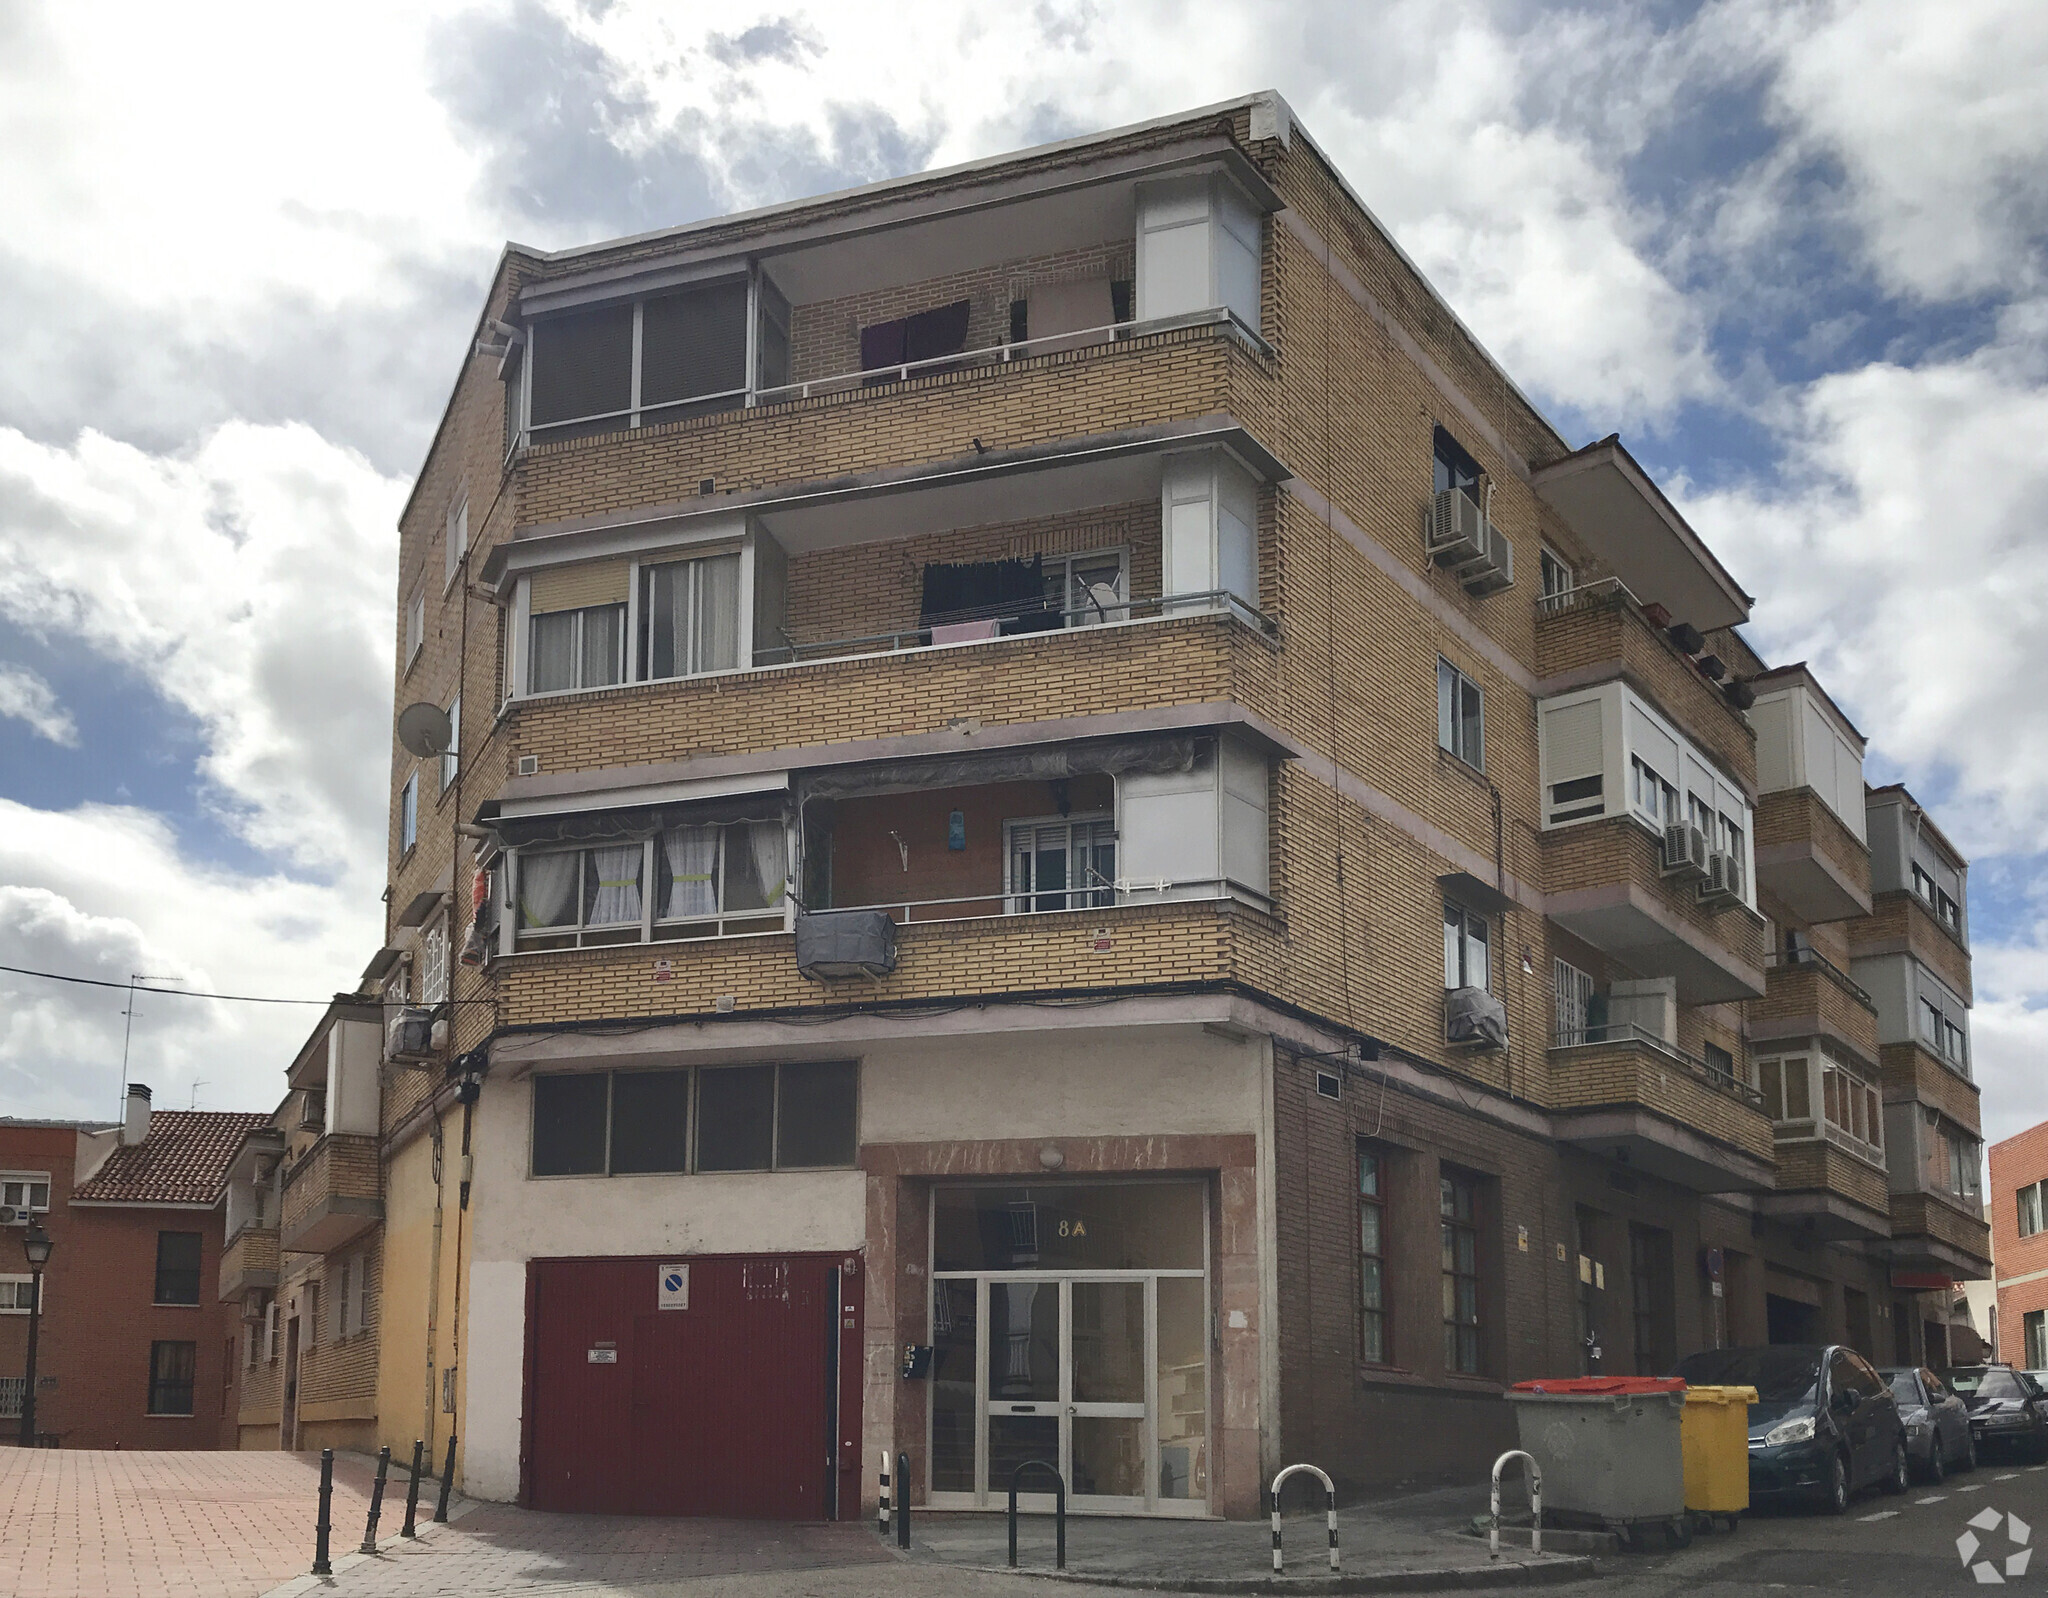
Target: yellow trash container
1714,1436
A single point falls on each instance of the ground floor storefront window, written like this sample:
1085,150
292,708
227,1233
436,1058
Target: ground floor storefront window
1069,1325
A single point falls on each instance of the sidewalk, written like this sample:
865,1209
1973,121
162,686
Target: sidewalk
1397,1544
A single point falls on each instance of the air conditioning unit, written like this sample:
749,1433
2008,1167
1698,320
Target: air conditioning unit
410,1035
16,1215
1494,567
1475,1019
1723,883
1685,851
1457,528
845,943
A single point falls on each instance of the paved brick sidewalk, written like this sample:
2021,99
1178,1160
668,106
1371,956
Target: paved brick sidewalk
82,1523
493,1549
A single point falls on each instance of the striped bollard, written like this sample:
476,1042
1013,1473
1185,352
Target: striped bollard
1329,1503
882,1502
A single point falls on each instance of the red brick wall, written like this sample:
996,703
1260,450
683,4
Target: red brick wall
2016,1163
99,1321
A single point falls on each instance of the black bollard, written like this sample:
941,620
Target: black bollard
447,1481
902,1500
322,1566
377,1500
412,1493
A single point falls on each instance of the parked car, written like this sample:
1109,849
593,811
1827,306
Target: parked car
1824,1424
1938,1434
2007,1411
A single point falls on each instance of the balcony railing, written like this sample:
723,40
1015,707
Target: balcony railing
982,623
1221,318
1810,959
1610,1033
331,1195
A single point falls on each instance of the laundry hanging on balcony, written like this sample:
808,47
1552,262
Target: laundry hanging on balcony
986,599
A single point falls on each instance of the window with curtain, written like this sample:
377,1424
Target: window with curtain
572,649
1460,715
706,881
173,1368
689,617
1466,962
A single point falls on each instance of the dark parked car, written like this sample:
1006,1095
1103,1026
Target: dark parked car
2007,1411
1823,1426
1938,1435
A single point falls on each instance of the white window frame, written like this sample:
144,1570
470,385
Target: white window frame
637,619
359,1294
2034,1335
415,626
451,758
14,1301
1450,722
457,541
409,814
270,1333
1571,992
1020,900
1472,927
1066,562
434,964
2028,1207
1817,1065
348,1266
1556,573
623,663
1964,1179
652,926
30,1181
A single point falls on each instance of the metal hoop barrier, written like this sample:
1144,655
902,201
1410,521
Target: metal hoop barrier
1059,1512
882,1501
1534,1472
1329,1503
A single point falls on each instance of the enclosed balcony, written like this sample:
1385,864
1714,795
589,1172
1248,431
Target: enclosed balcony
1828,1121
1624,1092
1809,996
249,1262
332,1194
1808,860
1934,1234
1608,885
1905,923
856,338
1915,1073
1811,850
1075,585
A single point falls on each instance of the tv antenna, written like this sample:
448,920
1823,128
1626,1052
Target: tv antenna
196,1086
128,1031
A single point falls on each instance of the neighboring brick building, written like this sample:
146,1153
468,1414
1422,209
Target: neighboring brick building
303,1245
135,1352
2019,1239
1053,769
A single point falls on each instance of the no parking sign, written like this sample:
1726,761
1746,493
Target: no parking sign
672,1287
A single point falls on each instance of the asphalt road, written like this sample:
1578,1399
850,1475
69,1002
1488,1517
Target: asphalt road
1883,1545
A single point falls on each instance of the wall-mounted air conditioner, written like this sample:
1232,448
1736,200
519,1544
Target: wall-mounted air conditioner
845,943
1457,528
1475,1019
15,1215
1685,851
410,1035
1723,882
1494,567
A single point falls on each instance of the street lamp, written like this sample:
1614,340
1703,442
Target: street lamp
36,1245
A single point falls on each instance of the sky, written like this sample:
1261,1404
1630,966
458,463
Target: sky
1792,251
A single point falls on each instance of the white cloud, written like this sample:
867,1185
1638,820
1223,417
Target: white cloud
1901,557
25,697
252,583
1934,109
103,892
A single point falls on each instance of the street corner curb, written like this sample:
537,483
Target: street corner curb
344,1563
1508,1573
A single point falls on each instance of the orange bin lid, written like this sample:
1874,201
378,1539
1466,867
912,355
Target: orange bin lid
1603,1386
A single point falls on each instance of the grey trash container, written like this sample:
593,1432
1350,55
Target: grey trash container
1610,1447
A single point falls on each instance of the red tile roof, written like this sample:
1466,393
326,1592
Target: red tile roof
184,1160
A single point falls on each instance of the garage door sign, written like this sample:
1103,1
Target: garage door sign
672,1287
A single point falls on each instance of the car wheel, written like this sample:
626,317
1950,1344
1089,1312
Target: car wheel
1969,1450
1937,1466
1897,1479
1834,1492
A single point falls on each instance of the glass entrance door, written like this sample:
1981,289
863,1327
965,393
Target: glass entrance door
1105,1378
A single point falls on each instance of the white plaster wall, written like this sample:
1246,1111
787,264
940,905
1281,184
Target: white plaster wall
1133,1082
354,1053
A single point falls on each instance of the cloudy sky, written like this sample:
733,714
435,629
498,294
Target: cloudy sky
1793,251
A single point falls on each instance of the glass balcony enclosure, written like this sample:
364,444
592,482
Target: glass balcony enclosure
839,306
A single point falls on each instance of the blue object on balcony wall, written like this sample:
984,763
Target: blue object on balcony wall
956,830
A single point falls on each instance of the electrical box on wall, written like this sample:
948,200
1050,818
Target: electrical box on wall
917,1361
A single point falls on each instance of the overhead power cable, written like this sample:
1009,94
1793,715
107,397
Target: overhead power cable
185,993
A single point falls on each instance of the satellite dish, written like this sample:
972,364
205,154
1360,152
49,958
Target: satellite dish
424,729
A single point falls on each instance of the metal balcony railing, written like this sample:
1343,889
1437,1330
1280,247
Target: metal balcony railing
1811,959
1608,1034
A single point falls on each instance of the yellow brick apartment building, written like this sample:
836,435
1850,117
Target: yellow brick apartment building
1061,827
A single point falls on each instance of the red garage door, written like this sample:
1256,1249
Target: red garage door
722,1403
